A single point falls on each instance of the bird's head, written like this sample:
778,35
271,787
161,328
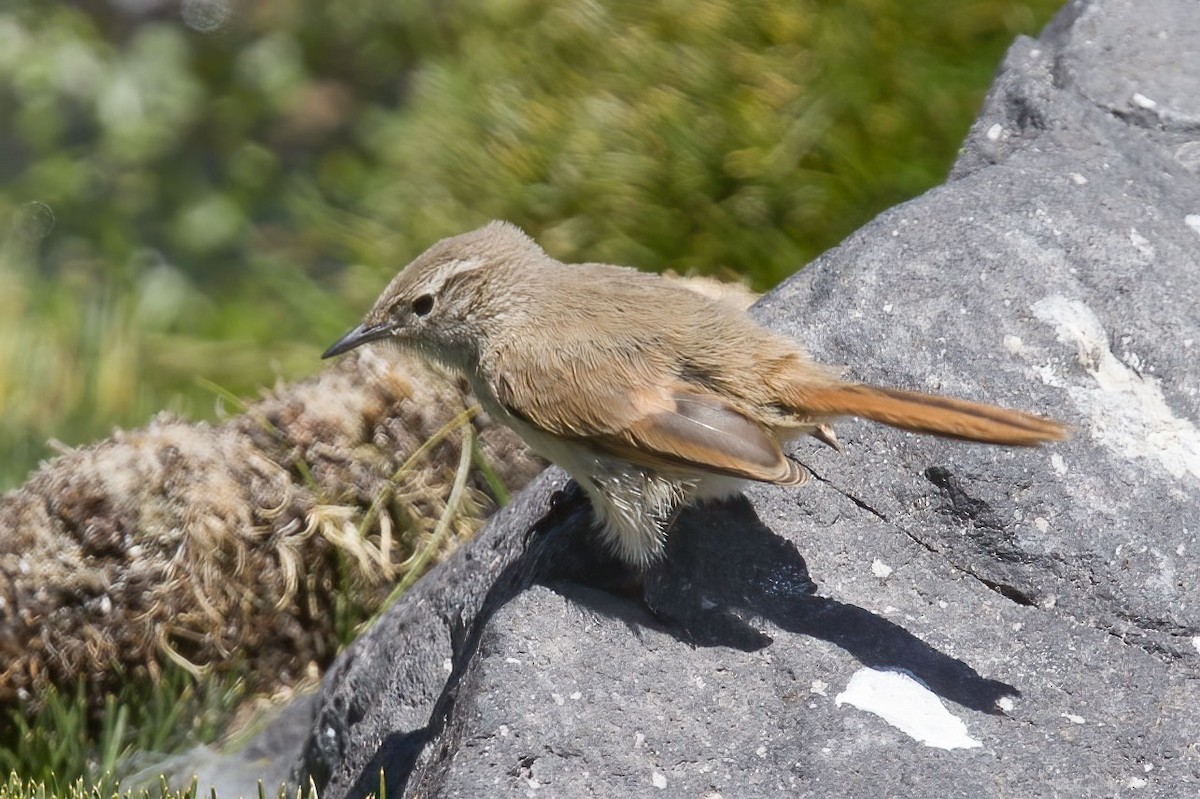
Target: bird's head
448,299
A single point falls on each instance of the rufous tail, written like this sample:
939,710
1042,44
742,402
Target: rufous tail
926,413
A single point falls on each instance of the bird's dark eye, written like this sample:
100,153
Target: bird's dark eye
422,305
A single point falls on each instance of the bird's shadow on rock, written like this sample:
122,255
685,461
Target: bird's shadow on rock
725,569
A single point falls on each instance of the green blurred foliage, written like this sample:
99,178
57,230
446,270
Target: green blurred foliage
218,188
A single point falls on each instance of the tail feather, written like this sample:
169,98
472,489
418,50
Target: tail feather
925,413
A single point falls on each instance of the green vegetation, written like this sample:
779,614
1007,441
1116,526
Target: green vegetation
60,743
220,201
16,787
200,198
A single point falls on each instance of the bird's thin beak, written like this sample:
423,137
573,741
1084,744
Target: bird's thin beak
357,337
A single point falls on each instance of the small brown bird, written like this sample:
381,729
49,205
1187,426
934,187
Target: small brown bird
649,394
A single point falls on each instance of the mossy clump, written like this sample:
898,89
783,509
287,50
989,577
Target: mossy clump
263,540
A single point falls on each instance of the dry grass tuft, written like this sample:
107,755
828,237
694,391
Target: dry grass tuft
193,543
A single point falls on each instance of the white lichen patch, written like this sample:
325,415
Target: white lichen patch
1126,411
908,706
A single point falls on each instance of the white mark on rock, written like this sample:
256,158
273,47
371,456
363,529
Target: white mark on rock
819,687
658,780
908,706
880,569
1014,344
1196,642
1192,221
1142,101
1078,179
1006,704
1071,717
1126,412
995,132
1141,243
1188,154
1041,524
1133,361
1058,464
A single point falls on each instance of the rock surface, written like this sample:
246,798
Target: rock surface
1048,599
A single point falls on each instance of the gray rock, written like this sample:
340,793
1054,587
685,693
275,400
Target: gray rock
1047,599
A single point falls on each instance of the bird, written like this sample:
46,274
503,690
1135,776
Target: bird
650,395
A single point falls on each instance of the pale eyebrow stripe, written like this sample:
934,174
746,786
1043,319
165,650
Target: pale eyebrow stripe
455,267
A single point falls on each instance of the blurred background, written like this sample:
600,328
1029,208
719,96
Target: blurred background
197,196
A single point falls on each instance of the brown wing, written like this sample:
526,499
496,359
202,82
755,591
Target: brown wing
661,422
700,431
